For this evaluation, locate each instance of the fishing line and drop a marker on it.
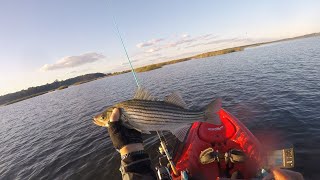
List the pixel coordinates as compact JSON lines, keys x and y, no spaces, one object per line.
{"x":122,"y":43}
{"x":124,"y":47}
{"x":163,"y":143}
{"x":125,"y":50}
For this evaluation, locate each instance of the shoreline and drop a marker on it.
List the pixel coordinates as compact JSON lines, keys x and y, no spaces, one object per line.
{"x":210,"y":54}
{"x":162,"y":64}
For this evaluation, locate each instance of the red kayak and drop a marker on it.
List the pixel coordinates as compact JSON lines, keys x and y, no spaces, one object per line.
{"x":219,"y":151}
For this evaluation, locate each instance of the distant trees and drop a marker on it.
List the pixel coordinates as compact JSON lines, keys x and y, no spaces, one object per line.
{"x":38,"y":90}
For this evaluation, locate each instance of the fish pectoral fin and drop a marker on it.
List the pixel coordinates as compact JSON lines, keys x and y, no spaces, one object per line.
{"x":143,"y":94}
{"x":181,"y":132}
{"x":176,"y":99}
{"x":211,"y":112}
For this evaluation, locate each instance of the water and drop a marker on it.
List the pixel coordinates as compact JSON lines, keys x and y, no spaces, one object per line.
{"x":274,"y":90}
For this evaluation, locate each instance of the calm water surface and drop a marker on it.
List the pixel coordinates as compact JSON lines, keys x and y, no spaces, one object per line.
{"x":274,"y":90}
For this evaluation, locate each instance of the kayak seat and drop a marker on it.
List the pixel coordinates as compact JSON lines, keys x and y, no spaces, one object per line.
{"x":231,"y":134}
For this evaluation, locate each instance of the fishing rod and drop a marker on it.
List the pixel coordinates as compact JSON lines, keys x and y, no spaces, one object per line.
{"x":162,"y":143}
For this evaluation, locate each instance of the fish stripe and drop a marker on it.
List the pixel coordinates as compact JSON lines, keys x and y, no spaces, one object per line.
{"x":166,"y":119}
{"x":167,"y":110}
{"x":160,"y":121}
{"x":157,"y":123}
{"x":173,"y":114}
{"x":157,"y":119}
{"x":147,"y":115}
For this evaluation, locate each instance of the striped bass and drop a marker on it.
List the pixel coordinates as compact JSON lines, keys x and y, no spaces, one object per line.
{"x":145,"y":113}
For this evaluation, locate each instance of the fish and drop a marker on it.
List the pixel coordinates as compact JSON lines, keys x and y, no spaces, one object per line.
{"x":146,"y":113}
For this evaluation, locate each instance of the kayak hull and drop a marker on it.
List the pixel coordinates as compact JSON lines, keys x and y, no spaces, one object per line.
{"x":231,"y":134}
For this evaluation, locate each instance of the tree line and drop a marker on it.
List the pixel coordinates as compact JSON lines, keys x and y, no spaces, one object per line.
{"x":38,"y":90}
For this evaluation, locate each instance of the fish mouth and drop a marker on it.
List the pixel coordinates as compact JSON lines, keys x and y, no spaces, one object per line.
{"x":97,"y":120}
{"x":97,"y":116}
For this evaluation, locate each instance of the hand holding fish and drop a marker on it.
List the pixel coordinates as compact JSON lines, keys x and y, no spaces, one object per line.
{"x":124,"y":139}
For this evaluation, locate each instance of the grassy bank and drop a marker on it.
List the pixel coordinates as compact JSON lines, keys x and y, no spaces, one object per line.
{"x":24,"y":98}
{"x":148,"y":68}
{"x":38,"y":90}
{"x":62,"y":87}
{"x":203,"y":55}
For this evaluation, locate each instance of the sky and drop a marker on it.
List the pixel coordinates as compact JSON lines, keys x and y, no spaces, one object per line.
{"x":45,"y":40}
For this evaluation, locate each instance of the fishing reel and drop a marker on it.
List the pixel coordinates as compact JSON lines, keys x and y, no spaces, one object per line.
{"x":163,"y":173}
{"x":165,"y":163}
{"x":162,"y":170}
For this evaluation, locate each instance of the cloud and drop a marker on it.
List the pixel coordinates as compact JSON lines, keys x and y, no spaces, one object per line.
{"x":132,"y":61}
{"x":186,"y":39}
{"x":149,"y":43}
{"x":72,"y":72}
{"x":228,"y":40}
{"x":216,"y":42}
{"x":182,"y":44}
{"x":182,"y":41}
{"x":207,"y":36}
{"x":73,"y":61}
{"x":185,"y":35}
{"x":152,"y":50}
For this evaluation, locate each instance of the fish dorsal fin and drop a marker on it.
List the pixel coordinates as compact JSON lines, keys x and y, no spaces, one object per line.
{"x":176,"y":99}
{"x":143,"y":94}
{"x":181,"y":132}
{"x":211,"y":112}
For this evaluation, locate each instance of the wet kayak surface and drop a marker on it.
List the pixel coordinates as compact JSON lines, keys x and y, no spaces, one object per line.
{"x":274,"y":90}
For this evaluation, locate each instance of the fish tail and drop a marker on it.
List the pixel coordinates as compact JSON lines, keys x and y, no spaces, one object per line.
{"x":211,"y":112}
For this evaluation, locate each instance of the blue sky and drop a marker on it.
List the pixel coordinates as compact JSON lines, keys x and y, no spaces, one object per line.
{"x":42,"y":40}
